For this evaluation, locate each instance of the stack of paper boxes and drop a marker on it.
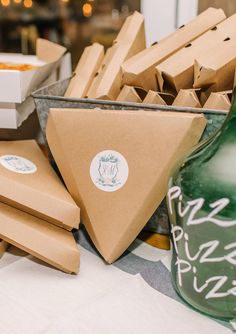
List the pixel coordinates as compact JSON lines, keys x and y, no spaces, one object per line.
{"x":16,"y":86}
{"x":37,"y":214}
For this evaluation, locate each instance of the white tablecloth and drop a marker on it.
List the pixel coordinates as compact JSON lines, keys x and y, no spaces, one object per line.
{"x":102,"y":299}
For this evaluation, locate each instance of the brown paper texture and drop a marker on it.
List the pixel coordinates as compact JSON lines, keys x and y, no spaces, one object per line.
{"x":234,"y":79}
{"x":203,"y":96}
{"x":129,"y":41}
{"x":43,"y":240}
{"x":48,"y":51}
{"x":187,"y":98}
{"x":131,"y":94}
{"x":3,"y":247}
{"x":140,"y":69}
{"x":216,"y":69}
{"x":153,"y":97}
{"x":85,"y":71}
{"x":219,"y":101}
{"x":177,"y":72}
{"x":33,"y":186}
{"x":119,"y":191}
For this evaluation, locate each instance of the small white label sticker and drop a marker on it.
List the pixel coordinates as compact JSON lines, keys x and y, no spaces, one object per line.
{"x":18,"y":164}
{"x":109,"y":170}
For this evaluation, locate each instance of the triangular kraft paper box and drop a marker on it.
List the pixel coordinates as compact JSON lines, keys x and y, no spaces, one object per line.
{"x":29,"y":183}
{"x":219,"y":101}
{"x":139,"y":70}
{"x":187,"y":98}
{"x":131,"y":94}
{"x":153,"y":97}
{"x":215,"y":69}
{"x":85,"y":71}
{"x":116,"y":166}
{"x":39,"y":238}
{"x":130,"y":41}
{"x":177,"y":71}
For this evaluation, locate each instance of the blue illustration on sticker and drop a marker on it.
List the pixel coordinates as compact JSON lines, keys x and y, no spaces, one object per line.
{"x":18,"y":164}
{"x":109,"y":170}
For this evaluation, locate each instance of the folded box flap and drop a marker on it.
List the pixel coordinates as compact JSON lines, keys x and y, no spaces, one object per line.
{"x":159,"y":98}
{"x":48,"y":51}
{"x":203,"y":75}
{"x":129,"y":94}
{"x":187,"y":98}
{"x":218,"y":101}
{"x":153,"y":97}
{"x":166,"y":82}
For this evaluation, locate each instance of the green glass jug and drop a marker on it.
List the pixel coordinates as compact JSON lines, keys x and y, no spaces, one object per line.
{"x":202,"y":208}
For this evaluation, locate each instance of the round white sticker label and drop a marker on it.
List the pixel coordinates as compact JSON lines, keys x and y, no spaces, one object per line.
{"x":109,"y":170}
{"x":18,"y":164}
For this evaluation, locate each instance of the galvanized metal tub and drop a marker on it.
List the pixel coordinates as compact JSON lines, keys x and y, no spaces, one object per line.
{"x":52,"y":96}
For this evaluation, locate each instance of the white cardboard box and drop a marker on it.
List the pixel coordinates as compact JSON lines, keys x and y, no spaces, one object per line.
{"x":13,"y":114}
{"x":15,"y":85}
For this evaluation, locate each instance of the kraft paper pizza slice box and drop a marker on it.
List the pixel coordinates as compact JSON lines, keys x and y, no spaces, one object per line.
{"x":187,"y":98}
{"x":131,"y":94}
{"x":17,"y":85}
{"x":177,"y":71}
{"x":130,"y":40}
{"x":39,"y":238}
{"x":139,"y":70}
{"x":216,"y":69}
{"x":29,"y":183}
{"x":153,"y":97}
{"x":116,"y":166}
{"x":219,"y":101}
{"x":85,"y":71}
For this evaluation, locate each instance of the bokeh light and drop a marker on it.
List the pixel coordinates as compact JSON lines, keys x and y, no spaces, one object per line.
{"x":87,"y":9}
{"x":5,"y":3}
{"x":28,"y":3}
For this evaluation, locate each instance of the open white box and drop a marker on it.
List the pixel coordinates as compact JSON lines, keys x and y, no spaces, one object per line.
{"x":15,"y":85}
{"x":12,"y":115}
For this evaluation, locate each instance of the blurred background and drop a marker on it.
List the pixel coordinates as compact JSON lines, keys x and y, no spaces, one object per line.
{"x":78,"y":23}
